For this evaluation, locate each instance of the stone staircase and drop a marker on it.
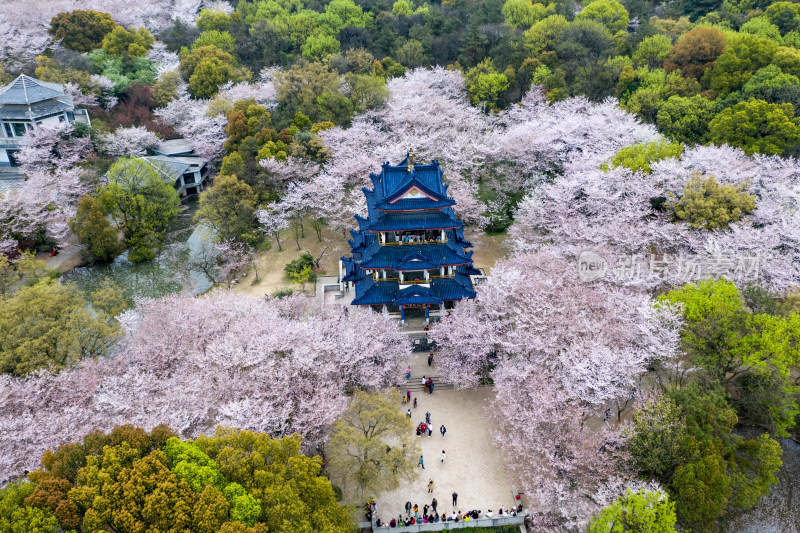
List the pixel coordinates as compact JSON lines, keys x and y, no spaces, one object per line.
{"x":415,"y":385}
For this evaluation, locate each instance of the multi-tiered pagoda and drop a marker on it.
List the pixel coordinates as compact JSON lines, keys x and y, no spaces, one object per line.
{"x":410,"y":253}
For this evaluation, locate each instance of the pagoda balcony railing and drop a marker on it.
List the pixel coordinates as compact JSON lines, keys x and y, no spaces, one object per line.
{"x":439,"y":241}
{"x":377,"y":277}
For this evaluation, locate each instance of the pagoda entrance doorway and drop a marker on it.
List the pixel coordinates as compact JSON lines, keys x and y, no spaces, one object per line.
{"x":414,"y":315}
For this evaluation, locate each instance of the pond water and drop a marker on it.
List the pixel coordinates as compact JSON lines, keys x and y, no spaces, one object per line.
{"x":166,"y":274}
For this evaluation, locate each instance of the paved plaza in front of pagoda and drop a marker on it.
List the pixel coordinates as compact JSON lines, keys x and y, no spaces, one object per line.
{"x":474,"y":467}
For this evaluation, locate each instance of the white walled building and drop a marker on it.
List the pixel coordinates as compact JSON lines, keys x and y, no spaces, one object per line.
{"x":26,"y":103}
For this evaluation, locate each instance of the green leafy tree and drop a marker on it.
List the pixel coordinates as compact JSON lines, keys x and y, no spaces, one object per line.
{"x":769,"y":84}
{"x":637,"y":158}
{"x":744,"y":54}
{"x":685,"y":118}
{"x":484,"y":84}
{"x":94,"y":230}
{"x":110,"y":298}
{"x":751,"y":354}
{"x":636,"y":512}
{"x":652,"y":51}
{"x":221,"y":39}
{"x":166,"y":88}
{"x":143,"y":204}
{"x":214,"y":19}
{"x":228,"y":207}
{"x":412,"y":54}
{"x":788,"y":60}
{"x":16,"y":517}
{"x":701,"y":489}
{"x":784,"y":15}
{"x":320,"y":46}
{"x":48,"y":324}
{"x":300,"y":87}
{"x":756,"y":126}
{"x":371,"y":445}
{"x":545,"y":34}
{"x":523,"y":13}
{"x":706,"y":204}
{"x":609,"y":13}
{"x":130,"y":42}
{"x":208,"y":67}
{"x":81,"y":31}
{"x":657,"y":438}
{"x":292,"y":494}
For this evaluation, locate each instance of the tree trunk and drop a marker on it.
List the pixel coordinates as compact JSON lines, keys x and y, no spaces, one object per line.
{"x":297,"y":235}
{"x":278,"y":238}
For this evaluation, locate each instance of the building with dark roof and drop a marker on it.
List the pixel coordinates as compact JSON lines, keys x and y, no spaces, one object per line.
{"x":26,"y":103}
{"x":409,"y":255}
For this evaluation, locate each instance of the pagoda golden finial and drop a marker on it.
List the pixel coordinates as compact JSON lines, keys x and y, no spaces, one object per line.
{"x":410,"y":159}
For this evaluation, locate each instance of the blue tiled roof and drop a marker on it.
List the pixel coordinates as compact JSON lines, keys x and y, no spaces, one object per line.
{"x":350,"y":271}
{"x":416,"y":294}
{"x":414,"y":221}
{"x":370,"y":292}
{"x":377,"y":256}
{"x":407,"y":204}
{"x":394,"y":176}
{"x":454,"y":288}
{"x":415,"y":261}
{"x":468,"y":270}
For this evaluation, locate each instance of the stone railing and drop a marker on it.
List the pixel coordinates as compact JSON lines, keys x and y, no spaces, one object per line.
{"x":495,"y":521}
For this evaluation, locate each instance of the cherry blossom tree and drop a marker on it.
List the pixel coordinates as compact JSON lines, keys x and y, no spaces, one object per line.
{"x":78,"y":98}
{"x":273,"y":219}
{"x":621,"y":217}
{"x":559,"y":351}
{"x":50,"y":146}
{"x":133,"y":141}
{"x":278,"y":366}
{"x":192,"y":120}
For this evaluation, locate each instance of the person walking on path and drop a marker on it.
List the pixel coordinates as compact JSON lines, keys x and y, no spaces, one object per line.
{"x":430,"y":359}
{"x":430,"y":389}
{"x":415,"y":402}
{"x":430,"y":486}
{"x":442,"y":430}
{"x":430,"y":431}
{"x":408,"y":373}
{"x":427,"y":417}
{"x":442,"y":455}
{"x":408,"y":413}
{"x":408,"y":395}
{"x":425,"y":510}
{"x":416,"y":511}
{"x":455,"y":498}
{"x":434,"y":503}
{"x":408,"y":508}
{"x":421,"y":462}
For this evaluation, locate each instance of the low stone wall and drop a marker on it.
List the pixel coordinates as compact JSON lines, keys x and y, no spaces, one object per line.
{"x":495,"y":521}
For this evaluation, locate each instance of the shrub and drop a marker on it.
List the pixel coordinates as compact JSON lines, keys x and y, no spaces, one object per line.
{"x":706,"y":204}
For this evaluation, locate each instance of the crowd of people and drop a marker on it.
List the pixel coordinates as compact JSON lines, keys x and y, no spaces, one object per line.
{"x":430,"y":515}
